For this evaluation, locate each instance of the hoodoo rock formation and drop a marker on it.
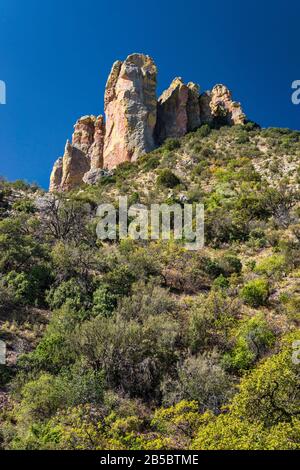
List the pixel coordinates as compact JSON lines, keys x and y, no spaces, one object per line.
{"x":130,"y":108}
{"x":136,"y":123}
{"x":84,"y":154}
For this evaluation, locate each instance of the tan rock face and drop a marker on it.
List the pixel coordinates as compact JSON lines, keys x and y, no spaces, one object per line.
{"x":217,"y":106}
{"x":130,"y":107}
{"x":56,"y":176}
{"x":83,"y":136}
{"x":89,"y":133}
{"x":85,"y":153}
{"x":96,"y":150}
{"x":75,"y":164}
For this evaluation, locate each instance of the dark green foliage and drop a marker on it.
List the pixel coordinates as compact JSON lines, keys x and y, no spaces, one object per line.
{"x":204,"y":131}
{"x":70,"y":292}
{"x":104,"y":301}
{"x":24,"y":205}
{"x":151,"y":163}
{"x":167,"y":179}
{"x":172,"y":144}
{"x":29,"y":288}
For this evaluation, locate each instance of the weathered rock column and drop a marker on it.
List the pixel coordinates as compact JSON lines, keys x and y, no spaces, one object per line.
{"x":131,"y":110}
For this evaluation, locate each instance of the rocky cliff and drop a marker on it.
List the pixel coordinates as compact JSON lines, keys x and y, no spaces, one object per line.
{"x":83,"y":155}
{"x":136,"y":122}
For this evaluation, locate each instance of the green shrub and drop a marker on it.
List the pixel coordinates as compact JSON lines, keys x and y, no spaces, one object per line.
{"x":230,"y":264}
{"x":201,"y":379}
{"x":204,"y":131}
{"x":242,"y":138}
{"x":70,"y":292}
{"x":167,"y":179}
{"x":41,"y":398}
{"x":271,"y":266}
{"x":221,"y":282}
{"x":151,"y":163}
{"x":29,"y":288}
{"x":24,"y":205}
{"x":255,"y":293}
{"x":252,"y":340}
{"x":172,"y":144}
{"x":104,"y":302}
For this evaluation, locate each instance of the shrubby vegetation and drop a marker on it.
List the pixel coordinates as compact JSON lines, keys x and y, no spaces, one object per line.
{"x":144,"y":345}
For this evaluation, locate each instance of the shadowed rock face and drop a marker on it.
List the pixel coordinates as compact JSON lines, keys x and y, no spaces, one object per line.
{"x":178,"y":111}
{"x":193,"y":107}
{"x":130,"y":108}
{"x":172,"y":120}
{"x":136,"y":122}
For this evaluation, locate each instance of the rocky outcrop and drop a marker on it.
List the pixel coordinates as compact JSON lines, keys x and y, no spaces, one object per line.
{"x":85,"y":153}
{"x":218,"y":107}
{"x":172,"y":120}
{"x":75,"y":165}
{"x":178,"y":110}
{"x":96,"y":175}
{"x":136,"y":122}
{"x":89,"y":133}
{"x":96,"y":150}
{"x":56,"y":176}
{"x":83,"y":135}
{"x":193,"y":107}
{"x":130,"y":108}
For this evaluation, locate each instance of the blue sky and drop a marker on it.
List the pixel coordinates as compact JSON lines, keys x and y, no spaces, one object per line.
{"x":56,"y":55}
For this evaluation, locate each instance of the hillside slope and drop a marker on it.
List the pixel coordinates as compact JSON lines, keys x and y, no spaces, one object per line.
{"x":144,"y":345}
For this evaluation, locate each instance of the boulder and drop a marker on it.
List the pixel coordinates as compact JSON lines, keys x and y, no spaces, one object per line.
{"x":94,"y":176}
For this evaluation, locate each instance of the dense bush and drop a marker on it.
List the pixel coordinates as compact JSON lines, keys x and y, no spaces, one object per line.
{"x":255,"y":293}
{"x":252,"y":340}
{"x":168,"y":179}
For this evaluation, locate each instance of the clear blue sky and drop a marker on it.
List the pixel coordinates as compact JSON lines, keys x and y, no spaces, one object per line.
{"x":56,"y":55}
